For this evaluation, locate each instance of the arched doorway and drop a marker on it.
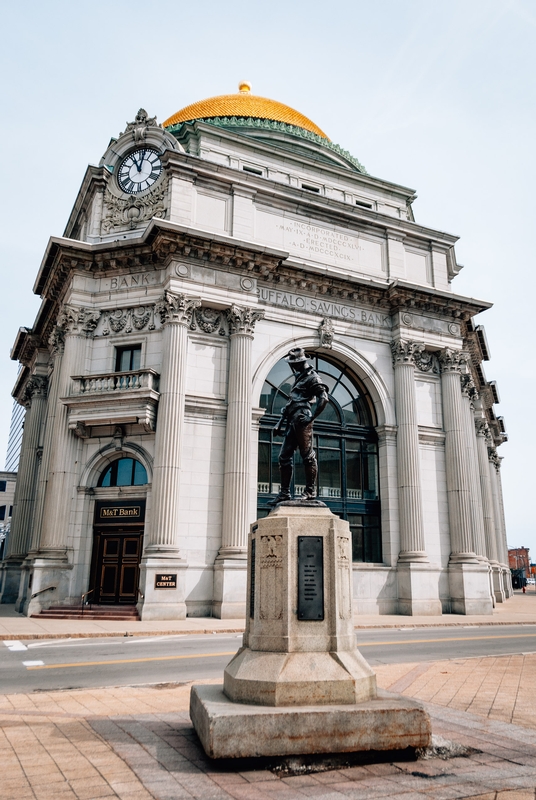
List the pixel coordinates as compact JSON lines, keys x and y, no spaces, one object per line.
{"x":118,"y":534}
{"x":346,"y":445}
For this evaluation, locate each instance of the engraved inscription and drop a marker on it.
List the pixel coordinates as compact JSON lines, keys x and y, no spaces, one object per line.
{"x":271,"y":577}
{"x":325,"y":308}
{"x":310,"y":578}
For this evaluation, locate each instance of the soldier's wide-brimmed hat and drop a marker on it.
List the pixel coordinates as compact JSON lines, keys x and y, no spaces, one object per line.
{"x":296,"y":355}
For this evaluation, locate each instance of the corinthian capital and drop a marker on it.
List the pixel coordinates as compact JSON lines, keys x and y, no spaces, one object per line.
{"x":482,"y":428}
{"x":468,"y":388}
{"x":36,"y":387}
{"x":242,"y":320}
{"x":56,"y":341}
{"x":452,"y":360}
{"x":73,"y":319}
{"x":176,"y":308}
{"x":405,"y":352}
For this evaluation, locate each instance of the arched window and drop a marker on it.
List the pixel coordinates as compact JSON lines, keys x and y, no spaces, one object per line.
{"x":123,"y":472}
{"x":346,"y":445}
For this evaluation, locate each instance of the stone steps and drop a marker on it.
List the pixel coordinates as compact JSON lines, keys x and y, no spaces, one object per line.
{"x":113,"y":613}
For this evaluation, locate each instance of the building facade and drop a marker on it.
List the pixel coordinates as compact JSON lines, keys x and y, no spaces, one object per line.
{"x":196,"y":255}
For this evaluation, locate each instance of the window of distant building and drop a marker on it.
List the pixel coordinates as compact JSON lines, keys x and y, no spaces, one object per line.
{"x":124,"y":472}
{"x":128,"y":359}
{"x":2,"y":513}
{"x":3,"y":485}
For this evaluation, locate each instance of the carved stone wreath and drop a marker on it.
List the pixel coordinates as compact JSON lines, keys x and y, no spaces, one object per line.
{"x":209,"y":320}
{"x":128,"y":319}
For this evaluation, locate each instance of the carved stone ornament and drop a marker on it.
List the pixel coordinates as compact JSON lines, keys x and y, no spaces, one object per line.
{"x":208,"y":320}
{"x":494,"y":458}
{"x":326,"y":333}
{"x":426,"y":361}
{"x":482,"y":429}
{"x":36,"y":387}
{"x":405,"y":352}
{"x":140,"y":126}
{"x":131,"y":211}
{"x":73,"y":319}
{"x":242,"y":320}
{"x":126,"y":320}
{"x":468,"y":387}
{"x":81,"y":430}
{"x":56,"y":342}
{"x":176,"y":308}
{"x":452,"y":360}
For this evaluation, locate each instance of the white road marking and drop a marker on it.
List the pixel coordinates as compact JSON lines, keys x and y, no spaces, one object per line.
{"x":12,"y":645}
{"x":33,"y":663}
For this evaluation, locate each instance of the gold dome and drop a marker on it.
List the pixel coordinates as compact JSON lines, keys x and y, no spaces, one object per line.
{"x":244,"y":104}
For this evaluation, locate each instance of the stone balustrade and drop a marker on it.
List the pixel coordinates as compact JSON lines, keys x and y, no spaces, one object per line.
{"x":115,"y":382}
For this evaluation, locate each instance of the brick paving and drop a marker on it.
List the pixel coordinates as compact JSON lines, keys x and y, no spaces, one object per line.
{"x":138,"y":743}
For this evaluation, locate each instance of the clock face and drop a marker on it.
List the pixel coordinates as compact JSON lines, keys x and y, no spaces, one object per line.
{"x":139,"y":170}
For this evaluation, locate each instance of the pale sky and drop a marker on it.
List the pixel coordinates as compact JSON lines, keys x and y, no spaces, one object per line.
{"x":436,"y":95}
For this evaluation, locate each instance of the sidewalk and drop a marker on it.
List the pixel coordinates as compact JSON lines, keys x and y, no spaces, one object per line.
{"x":518,"y":610}
{"x":137,"y":743}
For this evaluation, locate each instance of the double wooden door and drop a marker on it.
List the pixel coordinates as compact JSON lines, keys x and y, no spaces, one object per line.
{"x":116,"y":565}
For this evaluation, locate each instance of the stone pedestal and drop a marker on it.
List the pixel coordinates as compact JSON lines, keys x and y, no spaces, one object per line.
{"x":469,"y":586}
{"x":299,"y":684}
{"x":417,"y":589}
{"x":236,"y":730}
{"x":230,"y":579}
{"x":162,"y":585}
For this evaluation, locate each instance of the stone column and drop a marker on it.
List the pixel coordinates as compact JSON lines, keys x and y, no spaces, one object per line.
{"x":23,"y":505}
{"x":501,"y":527}
{"x":468,"y":578}
{"x":162,"y":550}
{"x":470,"y":395}
{"x":482,"y":434}
{"x":418,"y":590}
{"x":230,"y":566}
{"x":60,"y":464}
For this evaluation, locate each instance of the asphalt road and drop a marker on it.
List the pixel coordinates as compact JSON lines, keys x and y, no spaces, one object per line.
{"x":42,"y":665}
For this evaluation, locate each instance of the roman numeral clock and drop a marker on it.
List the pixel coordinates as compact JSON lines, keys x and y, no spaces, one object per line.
{"x":139,"y":170}
{"x":136,"y":188}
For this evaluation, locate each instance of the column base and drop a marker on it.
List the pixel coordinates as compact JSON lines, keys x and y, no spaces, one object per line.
{"x":162,"y":601}
{"x":230,"y":581}
{"x":50,"y":574}
{"x":10,"y":570}
{"x":497,"y":578}
{"x":418,"y":589}
{"x":507,"y":580}
{"x":469,"y":586}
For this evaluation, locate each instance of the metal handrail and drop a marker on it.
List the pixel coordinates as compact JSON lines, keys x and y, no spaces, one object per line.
{"x":86,"y":594}
{"x":48,"y":589}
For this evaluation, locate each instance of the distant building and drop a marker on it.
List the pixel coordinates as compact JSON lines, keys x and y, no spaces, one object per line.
{"x":14,"y":442}
{"x":519,"y":560}
{"x":7,"y":494}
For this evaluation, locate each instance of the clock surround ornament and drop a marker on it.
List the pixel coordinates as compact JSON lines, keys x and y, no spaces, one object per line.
{"x":139,"y":170}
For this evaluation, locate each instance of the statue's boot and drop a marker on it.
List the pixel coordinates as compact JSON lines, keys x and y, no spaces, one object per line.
{"x":311,"y":471}
{"x":284,"y":491}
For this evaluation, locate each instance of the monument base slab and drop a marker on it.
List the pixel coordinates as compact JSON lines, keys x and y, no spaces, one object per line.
{"x":238,"y":730}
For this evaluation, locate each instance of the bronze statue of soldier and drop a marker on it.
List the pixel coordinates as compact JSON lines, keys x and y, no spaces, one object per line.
{"x":296,"y":425}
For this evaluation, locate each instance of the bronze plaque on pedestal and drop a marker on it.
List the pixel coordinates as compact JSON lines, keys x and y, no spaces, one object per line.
{"x":310,"y":578}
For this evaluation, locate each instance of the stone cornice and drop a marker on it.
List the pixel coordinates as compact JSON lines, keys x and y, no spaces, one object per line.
{"x":163,"y":242}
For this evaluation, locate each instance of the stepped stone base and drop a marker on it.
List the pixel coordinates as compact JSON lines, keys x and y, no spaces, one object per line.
{"x":237,"y":730}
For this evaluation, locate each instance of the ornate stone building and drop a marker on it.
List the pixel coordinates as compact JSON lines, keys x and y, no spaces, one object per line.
{"x":196,"y":255}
